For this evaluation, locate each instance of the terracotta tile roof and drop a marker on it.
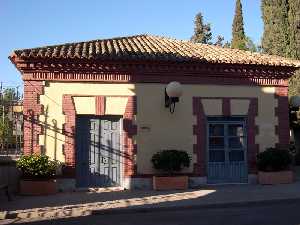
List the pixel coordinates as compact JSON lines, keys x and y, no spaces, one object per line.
{"x":149,"y":47}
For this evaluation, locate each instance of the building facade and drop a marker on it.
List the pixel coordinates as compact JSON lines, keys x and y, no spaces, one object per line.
{"x":99,"y":107}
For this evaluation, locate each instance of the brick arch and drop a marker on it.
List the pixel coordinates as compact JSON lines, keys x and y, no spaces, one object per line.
{"x":129,"y":130}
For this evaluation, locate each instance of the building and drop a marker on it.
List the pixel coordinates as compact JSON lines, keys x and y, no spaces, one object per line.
{"x":99,"y":106}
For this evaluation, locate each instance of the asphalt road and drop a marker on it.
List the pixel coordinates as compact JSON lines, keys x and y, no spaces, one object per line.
{"x":273,"y":214}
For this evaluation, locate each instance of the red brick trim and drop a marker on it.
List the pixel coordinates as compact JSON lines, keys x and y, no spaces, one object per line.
{"x":282,"y":113}
{"x":226,"y":107}
{"x":157,"y":77}
{"x":200,"y":131}
{"x":31,"y":111}
{"x":68,"y":108}
{"x":129,"y":130}
{"x":90,"y":67}
{"x":100,"y":105}
{"x":252,"y":130}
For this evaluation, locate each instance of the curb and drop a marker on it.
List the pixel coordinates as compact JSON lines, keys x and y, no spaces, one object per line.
{"x":191,"y":207}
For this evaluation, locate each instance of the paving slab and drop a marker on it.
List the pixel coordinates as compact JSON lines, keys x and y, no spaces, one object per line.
{"x":97,"y":201}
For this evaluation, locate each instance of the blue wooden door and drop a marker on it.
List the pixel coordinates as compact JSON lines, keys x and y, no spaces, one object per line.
{"x":227,"y":151}
{"x":98,"y":151}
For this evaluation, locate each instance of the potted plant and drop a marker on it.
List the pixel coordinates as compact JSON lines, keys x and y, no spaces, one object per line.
{"x":274,"y":166}
{"x":170,"y":162}
{"x":38,"y":175}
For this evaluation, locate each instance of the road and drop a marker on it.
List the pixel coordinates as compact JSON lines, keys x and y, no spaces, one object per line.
{"x":273,"y":214}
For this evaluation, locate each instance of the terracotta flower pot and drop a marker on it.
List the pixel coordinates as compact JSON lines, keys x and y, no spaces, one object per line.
{"x":280,"y":177}
{"x":170,"y":183}
{"x":38,"y":187}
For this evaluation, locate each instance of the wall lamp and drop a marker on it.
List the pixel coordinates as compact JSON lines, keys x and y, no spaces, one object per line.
{"x":172,"y":93}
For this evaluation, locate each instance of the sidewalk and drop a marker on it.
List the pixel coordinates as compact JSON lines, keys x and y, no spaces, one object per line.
{"x":63,"y":205}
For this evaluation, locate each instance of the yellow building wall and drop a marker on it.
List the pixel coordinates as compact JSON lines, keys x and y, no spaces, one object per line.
{"x":115,"y":105}
{"x":157,"y":128}
{"x":53,"y":139}
{"x":212,"y":107}
{"x":169,"y":131}
{"x":85,"y":105}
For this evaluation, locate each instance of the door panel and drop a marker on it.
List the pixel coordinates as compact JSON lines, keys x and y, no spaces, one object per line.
{"x":227,"y":150}
{"x":98,"y":151}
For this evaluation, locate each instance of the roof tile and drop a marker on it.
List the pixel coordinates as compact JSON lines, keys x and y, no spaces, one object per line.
{"x":150,"y":47}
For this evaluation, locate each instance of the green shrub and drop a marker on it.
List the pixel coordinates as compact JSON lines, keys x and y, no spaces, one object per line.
{"x":273,"y":160}
{"x":170,"y":161}
{"x":37,"y":166}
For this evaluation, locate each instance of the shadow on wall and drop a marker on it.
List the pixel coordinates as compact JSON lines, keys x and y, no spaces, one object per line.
{"x":152,"y":101}
{"x":37,"y":124}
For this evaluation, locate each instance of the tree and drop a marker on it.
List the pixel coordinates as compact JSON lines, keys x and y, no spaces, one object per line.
{"x":294,"y":28}
{"x":202,"y":31}
{"x":294,"y":84}
{"x":227,"y":45}
{"x":250,"y":45}
{"x":10,"y":95}
{"x":275,"y":39}
{"x":238,"y":34}
{"x":219,"y":41}
{"x":294,"y":43}
{"x":6,"y":131}
{"x":282,"y":33}
{"x":7,"y":100}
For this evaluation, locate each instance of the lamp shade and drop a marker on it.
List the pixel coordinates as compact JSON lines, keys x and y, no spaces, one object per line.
{"x":295,"y":101}
{"x":174,"y":89}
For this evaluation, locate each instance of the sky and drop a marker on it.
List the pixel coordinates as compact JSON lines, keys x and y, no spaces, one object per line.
{"x":35,"y":23}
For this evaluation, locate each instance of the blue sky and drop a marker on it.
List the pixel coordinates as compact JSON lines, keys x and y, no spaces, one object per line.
{"x":34,"y":23}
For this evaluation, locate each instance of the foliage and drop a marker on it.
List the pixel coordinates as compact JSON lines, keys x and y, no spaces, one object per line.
{"x":294,"y":28}
{"x":275,"y":39}
{"x":227,"y":45}
{"x":219,"y":41}
{"x":171,"y":161}
{"x":9,"y":95}
{"x":294,"y":84}
{"x":250,"y":45}
{"x":282,"y":33}
{"x":238,"y":34}
{"x":6,"y":126}
{"x":37,"y":166}
{"x":273,"y":160}
{"x":294,"y":48}
{"x":202,"y":31}
{"x":6,"y":132}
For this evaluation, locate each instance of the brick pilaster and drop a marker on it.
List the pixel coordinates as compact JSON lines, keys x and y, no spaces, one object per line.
{"x":252,"y":131}
{"x":31,"y":111}
{"x":199,"y":130}
{"x":100,"y":105}
{"x":130,"y":148}
{"x":282,"y":113}
{"x":68,"y":108}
